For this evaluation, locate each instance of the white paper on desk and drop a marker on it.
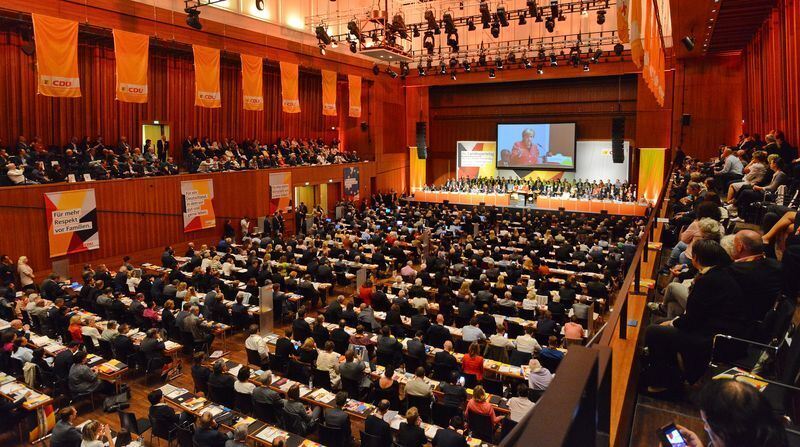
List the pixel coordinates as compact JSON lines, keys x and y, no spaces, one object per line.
{"x":169,"y":344}
{"x":215,"y":355}
{"x":176,"y":393}
{"x":235,"y":370}
{"x":430,"y":430}
{"x":167,"y":389}
{"x":270,"y":433}
{"x":395,"y":422}
{"x":213,"y":409}
{"x":390,"y":414}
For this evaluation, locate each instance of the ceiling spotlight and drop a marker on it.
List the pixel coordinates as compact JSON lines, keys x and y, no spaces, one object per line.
{"x":431,"y":19}
{"x":427,"y":42}
{"x":495,"y":29}
{"x":391,"y":73}
{"x":322,"y":34}
{"x":601,"y":16}
{"x":404,"y":69}
{"x":421,"y":70}
{"x":354,"y":30}
{"x":542,"y":54}
{"x":353,"y":46}
{"x":532,"y":7}
{"x":453,"y":62}
{"x":322,"y":49}
{"x":618,"y":49}
{"x":526,"y":62}
{"x":688,"y":42}
{"x":486,"y":16}
{"x":376,"y":70}
{"x":452,"y":41}
{"x":512,"y":58}
{"x":553,"y":60}
{"x":260,"y":5}
{"x":491,"y":73}
{"x":598,"y":53}
{"x":561,"y":16}
{"x":498,"y":62}
{"x":470,"y":24}
{"x":482,"y":59}
{"x":467,"y":66}
{"x":415,"y":31}
{"x":550,"y":24}
{"x":585,"y":66}
{"x":522,"y":20}
{"x":399,"y":25}
{"x":449,"y":25}
{"x":442,"y":68}
{"x":539,"y":14}
{"x":540,"y":69}
{"x":502,"y":16}
{"x":453,"y":75}
{"x":553,"y":8}
{"x":193,"y":18}
{"x":374,"y":37}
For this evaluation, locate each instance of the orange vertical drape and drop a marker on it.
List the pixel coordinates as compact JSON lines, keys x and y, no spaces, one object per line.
{"x":623,"y":8}
{"x":354,"y":83}
{"x":206,"y":77}
{"x":252,"y":82}
{"x":289,"y":92}
{"x":328,"y":93}
{"x":131,"y":53}
{"x":636,"y":36}
{"x":56,"y":56}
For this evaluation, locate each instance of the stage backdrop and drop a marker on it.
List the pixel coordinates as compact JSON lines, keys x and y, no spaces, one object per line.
{"x":71,"y":221}
{"x":593,"y":158}
{"x":198,"y":206}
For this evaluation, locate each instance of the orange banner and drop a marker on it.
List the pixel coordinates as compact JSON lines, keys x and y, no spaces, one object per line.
{"x":252,"y":82}
{"x":636,"y":23}
{"x":131,"y":52}
{"x":328,"y":93}
{"x":355,"y":95}
{"x":289,"y":93}
{"x":622,"y":20}
{"x":206,"y":77}
{"x":56,"y":56}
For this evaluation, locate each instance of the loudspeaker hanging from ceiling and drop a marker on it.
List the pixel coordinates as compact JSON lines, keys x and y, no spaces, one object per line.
{"x":422,"y":147}
{"x":618,"y":139}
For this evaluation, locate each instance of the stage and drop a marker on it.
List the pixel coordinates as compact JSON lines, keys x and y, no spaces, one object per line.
{"x":541,"y":203}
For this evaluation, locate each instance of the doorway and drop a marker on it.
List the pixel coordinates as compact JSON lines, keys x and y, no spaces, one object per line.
{"x":325,"y":195}
{"x":153,"y":131}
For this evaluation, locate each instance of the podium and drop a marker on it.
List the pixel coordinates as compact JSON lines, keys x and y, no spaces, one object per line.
{"x":266,"y":310}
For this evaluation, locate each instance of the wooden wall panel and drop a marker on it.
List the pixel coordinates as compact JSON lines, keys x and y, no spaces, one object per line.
{"x":471,"y":112}
{"x":772,"y":74}
{"x":138,"y":216}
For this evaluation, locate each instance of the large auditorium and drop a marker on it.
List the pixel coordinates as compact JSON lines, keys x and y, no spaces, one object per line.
{"x":399,"y":223}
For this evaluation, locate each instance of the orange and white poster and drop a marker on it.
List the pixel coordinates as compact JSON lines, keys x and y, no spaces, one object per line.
{"x":131,"y":52}
{"x":71,"y":221}
{"x":197,"y":202}
{"x":56,"y":57}
{"x":280,"y":190}
{"x":252,"y":82}
{"x":328,"y":93}
{"x":206,"y":77}
{"x":289,"y":88}
{"x":354,"y":84}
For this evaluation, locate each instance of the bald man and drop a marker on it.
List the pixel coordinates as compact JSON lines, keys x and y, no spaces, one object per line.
{"x":437,"y":334}
{"x":758,"y":276}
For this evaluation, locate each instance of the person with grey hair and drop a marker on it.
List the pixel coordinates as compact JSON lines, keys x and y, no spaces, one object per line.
{"x":758,"y":276}
{"x":238,"y":436}
{"x":264,"y":395}
{"x":727,"y":244}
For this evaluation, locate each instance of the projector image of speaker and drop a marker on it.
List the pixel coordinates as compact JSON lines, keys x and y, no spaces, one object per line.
{"x":618,"y":139}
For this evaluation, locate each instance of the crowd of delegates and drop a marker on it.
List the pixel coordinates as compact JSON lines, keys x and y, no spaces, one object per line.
{"x":411,"y":245}
{"x":34,"y":163}
{"x":578,"y":189}
{"x":719,"y":283}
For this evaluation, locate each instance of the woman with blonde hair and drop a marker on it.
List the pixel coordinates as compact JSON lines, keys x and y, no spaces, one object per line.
{"x":25,"y":271}
{"x":479,"y":404}
{"x":410,"y":434}
{"x":308,"y":352}
{"x":181,"y":291}
{"x":93,"y":433}
{"x":76,"y":328}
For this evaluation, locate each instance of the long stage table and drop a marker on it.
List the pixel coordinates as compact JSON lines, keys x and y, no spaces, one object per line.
{"x":544,"y":203}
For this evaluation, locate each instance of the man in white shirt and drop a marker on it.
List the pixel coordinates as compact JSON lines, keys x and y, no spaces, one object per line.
{"x":17,"y":176}
{"x":110,"y":332}
{"x":526,"y":342}
{"x":499,"y":339}
{"x":245,"y":226}
{"x":520,"y":405}
{"x":256,"y":342}
{"x":472,"y":332}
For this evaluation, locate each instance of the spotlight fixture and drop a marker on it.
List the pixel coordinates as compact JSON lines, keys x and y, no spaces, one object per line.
{"x":322,"y":49}
{"x":601,"y":16}
{"x":429,"y":63}
{"x":482,"y":59}
{"x":415,"y":31}
{"x":618,"y":49}
{"x":522,"y":20}
{"x":561,"y":16}
{"x":421,"y":70}
{"x":449,"y":24}
{"x":532,"y":7}
{"x":322,"y":35}
{"x":399,"y":25}
{"x":550,"y":24}
{"x":688,"y":42}
{"x":404,"y":69}
{"x":442,"y":68}
{"x":193,"y":18}
{"x":542,"y":54}
{"x":502,"y":16}
{"x":539,"y":14}
{"x":467,"y":65}
{"x":512,"y":58}
{"x":353,"y":30}
{"x":260,"y":5}
{"x":491,"y":73}
{"x":427,"y":42}
{"x":431,"y":19}
{"x":498,"y":62}
{"x":470,"y":24}
{"x":526,"y":62}
{"x":553,"y":60}
{"x":374,"y":37}
{"x":453,"y":75}
{"x":486,"y":16}
{"x":376,"y":70}
{"x":453,"y":62}
{"x":392,"y":74}
{"x":553,"y":8}
{"x":353,"y":46}
{"x":585,"y":66}
{"x":495,"y":29}
{"x":540,"y":69}
{"x":452,"y":41}
{"x":598,"y":53}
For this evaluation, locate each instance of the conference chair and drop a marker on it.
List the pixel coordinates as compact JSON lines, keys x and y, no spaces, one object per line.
{"x":506,"y":426}
{"x":497,"y":353}
{"x":221,"y":395}
{"x":442,"y":413}
{"x":106,"y":351}
{"x":159,"y":431}
{"x":423,"y":405}
{"x":321,"y":379}
{"x":129,"y":422}
{"x":332,"y":436}
{"x":519,"y":358}
{"x":470,"y":380}
{"x":265,"y":412}
{"x":88,"y":345}
{"x":368,"y":440}
{"x":441,"y":372}
{"x":481,"y":426}
{"x":461,"y":346}
{"x":254,"y":358}
{"x":299,"y":371}
{"x":243,"y":402}
{"x":493,"y":386}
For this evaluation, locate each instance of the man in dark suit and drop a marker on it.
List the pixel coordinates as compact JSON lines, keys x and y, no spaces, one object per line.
{"x":388,"y":348}
{"x":168,"y":258}
{"x":758,"y":276}
{"x":377,"y":427}
{"x":334,"y":310}
{"x":340,"y":337}
{"x":63,"y":360}
{"x":162,"y":147}
{"x":162,"y":415}
{"x":122,"y":344}
{"x":206,"y":434}
{"x":300,"y":327}
{"x":337,"y":418}
{"x":284,"y":347}
{"x":416,"y":347}
{"x":452,"y":436}
{"x":220,"y":378}
{"x":445,"y":360}
{"x":420,"y":321}
{"x":64,"y":433}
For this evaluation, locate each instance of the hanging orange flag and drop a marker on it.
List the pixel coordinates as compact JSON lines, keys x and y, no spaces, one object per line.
{"x":636,"y":23}
{"x":622,"y":20}
{"x":289,"y":93}
{"x":252,"y":82}
{"x":328,"y":93}
{"x":56,"y":56}
{"x":355,"y":95}
{"x":131,"y":52}
{"x":206,"y":77}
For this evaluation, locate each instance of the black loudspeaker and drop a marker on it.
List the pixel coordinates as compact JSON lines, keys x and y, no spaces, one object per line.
{"x":422,"y":147}
{"x":686,"y":119}
{"x":617,"y":139}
